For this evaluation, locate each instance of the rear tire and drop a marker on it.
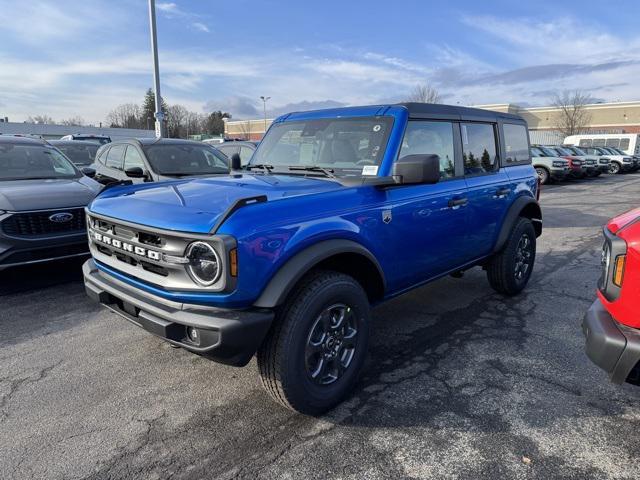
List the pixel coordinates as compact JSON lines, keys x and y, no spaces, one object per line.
{"x":317,"y":345}
{"x":509,"y":270}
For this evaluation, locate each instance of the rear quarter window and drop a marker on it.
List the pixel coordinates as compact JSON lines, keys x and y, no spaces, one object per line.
{"x":516,"y":144}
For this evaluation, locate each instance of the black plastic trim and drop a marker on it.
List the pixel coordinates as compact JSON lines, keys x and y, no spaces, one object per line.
{"x":237,"y":205}
{"x":512,"y":216}
{"x":291,"y":272}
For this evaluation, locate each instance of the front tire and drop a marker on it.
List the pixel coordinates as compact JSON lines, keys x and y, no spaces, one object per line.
{"x":509,"y":270}
{"x":615,"y":168}
{"x":315,"y":350}
{"x":543,"y":175}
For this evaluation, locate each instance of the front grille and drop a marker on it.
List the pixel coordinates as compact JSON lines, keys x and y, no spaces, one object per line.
{"x":34,"y":224}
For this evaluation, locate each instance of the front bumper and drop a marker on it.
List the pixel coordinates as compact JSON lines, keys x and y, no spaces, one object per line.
{"x":15,"y":251}
{"x":613,"y":347}
{"x":227,"y":336}
{"x":559,"y":173}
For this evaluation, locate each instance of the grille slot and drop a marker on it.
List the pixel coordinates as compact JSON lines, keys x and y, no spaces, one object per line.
{"x":33,"y":224}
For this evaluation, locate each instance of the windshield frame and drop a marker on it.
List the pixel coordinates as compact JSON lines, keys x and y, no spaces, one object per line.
{"x":175,"y":172}
{"x":315,"y":169}
{"x":77,"y":173}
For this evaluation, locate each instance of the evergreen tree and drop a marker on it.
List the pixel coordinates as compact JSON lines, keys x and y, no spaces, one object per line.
{"x":149,"y":108}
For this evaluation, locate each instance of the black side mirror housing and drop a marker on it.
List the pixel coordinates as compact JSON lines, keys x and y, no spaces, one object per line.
{"x":416,"y":169}
{"x":89,"y":171}
{"x":236,"y":163}
{"x":135,"y":172}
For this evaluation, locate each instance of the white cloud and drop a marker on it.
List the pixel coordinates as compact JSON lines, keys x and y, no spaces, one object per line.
{"x":167,"y":7}
{"x":200,"y":27}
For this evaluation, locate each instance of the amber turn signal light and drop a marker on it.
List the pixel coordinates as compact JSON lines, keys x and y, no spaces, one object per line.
{"x":233,"y":262}
{"x":618,"y":272}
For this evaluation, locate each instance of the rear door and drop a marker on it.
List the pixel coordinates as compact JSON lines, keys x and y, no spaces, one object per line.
{"x":489,"y":188}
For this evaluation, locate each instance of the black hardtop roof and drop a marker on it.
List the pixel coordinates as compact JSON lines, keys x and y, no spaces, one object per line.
{"x":20,"y":140}
{"x":157,"y":141}
{"x":437,"y":110}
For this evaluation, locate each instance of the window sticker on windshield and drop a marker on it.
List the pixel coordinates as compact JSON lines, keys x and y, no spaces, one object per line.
{"x":370,"y":170}
{"x":376,"y":128}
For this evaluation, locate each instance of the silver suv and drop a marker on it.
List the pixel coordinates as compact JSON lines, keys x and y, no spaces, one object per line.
{"x":42,"y":200}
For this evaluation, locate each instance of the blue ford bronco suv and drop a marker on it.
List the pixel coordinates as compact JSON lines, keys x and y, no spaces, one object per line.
{"x":337,"y":211}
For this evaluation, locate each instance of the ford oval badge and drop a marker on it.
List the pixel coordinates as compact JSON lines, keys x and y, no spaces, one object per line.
{"x":62,"y":217}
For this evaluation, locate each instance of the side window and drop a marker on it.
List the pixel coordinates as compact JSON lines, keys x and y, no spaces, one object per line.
{"x":431,"y":138}
{"x":133,"y":158}
{"x":585,"y":142}
{"x":228,"y":150}
{"x":114,"y":157}
{"x":624,"y":144}
{"x":245,"y":155}
{"x":102,"y":158}
{"x":478,"y":148}
{"x":598,"y":142}
{"x":613,"y":142}
{"x":516,"y":143}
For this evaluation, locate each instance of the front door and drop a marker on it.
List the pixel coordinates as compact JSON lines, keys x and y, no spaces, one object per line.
{"x":429,"y":222}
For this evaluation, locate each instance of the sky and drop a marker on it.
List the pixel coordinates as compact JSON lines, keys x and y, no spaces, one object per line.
{"x":68,"y":58}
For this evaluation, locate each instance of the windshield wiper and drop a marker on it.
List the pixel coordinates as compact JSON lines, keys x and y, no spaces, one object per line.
{"x":314,"y":168}
{"x":264,"y":166}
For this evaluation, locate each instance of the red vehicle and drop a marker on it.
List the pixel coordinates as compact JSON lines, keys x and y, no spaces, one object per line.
{"x":612,"y":324}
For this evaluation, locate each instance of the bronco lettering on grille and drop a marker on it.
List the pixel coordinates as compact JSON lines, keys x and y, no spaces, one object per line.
{"x":127,"y":247}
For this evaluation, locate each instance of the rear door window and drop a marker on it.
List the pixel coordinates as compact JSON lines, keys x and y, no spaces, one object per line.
{"x":479,"y":148}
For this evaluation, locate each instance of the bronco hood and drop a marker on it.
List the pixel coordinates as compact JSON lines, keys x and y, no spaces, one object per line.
{"x":21,"y":195}
{"x":195,"y":205}
{"x":618,"y":223}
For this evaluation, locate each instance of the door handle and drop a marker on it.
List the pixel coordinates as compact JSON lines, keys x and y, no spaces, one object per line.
{"x":502,"y":192}
{"x":458,"y":202}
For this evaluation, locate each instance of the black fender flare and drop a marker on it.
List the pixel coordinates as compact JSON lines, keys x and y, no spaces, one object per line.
{"x":302,"y":262}
{"x":522,"y":204}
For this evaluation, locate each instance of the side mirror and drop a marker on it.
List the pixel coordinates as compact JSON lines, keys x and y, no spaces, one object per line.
{"x":414,"y":169}
{"x":89,"y":172}
{"x":236,"y":163}
{"x":135,"y":172}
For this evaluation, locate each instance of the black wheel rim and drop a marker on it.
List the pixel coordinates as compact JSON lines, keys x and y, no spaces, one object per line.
{"x":614,"y":168}
{"x":331,"y":344}
{"x":524,"y":256}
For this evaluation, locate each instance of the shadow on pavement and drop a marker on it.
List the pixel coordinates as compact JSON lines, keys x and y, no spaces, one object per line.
{"x":33,"y":277}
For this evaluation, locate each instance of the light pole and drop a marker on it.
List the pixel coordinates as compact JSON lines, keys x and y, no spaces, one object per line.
{"x":264,"y":104}
{"x":159,"y":115}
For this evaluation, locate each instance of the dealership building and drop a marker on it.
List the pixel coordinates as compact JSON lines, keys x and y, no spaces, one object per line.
{"x":53,"y":132}
{"x":615,"y":117}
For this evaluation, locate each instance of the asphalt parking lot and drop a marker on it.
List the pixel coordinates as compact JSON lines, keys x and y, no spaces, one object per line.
{"x":460,"y":382}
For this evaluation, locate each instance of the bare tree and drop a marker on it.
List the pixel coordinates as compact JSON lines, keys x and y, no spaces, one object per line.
{"x":126,"y":115}
{"x":176,"y":120}
{"x":46,"y":119}
{"x":572,"y":117}
{"x":424,"y":93}
{"x":73,"y":122}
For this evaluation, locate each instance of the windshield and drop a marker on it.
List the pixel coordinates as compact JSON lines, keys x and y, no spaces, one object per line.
{"x":577,"y":151}
{"x":548,"y":152}
{"x":24,"y":162}
{"x":563,"y":151}
{"x":344,"y":146}
{"x":80,"y":154}
{"x":186,"y":159}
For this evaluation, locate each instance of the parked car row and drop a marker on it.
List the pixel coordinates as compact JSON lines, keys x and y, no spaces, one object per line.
{"x":555,"y":163}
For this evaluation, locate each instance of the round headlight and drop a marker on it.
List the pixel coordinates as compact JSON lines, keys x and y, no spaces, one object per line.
{"x":204,"y":263}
